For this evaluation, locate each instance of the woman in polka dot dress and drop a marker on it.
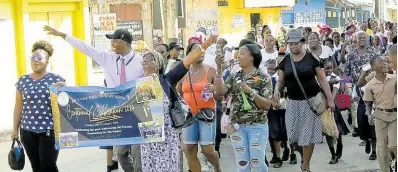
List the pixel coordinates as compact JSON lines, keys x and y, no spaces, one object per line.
{"x":32,"y":114}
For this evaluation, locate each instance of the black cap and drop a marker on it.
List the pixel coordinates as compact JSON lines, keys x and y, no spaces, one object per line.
{"x":175,"y":45}
{"x":122,"y":34}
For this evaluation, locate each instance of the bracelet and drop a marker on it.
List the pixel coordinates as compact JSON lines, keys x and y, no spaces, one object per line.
{"x":202,"y":49}
{"x":253,"y":95}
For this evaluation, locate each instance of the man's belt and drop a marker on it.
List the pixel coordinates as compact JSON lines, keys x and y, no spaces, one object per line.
{"x":387,"y":110}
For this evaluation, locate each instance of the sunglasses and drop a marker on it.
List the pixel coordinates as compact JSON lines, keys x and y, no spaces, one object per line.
{"x":37,"y":58}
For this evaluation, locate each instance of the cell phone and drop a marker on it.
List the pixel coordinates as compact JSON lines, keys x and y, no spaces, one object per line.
{"x":366,"y":67}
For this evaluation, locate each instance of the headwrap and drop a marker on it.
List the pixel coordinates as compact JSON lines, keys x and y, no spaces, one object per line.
{"x":158,"y":58}
{"x":195,"y":39}
{"x":325,"y":28}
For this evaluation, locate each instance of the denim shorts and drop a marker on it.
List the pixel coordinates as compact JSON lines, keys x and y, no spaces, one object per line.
{"x":200,"y":131}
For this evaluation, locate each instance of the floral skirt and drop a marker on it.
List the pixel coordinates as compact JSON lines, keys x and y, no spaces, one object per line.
{"x":162,"y":156}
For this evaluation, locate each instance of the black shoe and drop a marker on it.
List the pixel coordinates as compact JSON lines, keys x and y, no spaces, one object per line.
{"x":293,"y":159}
{"x":367,"y":146}
{"x":334,"y":160}
{"x":339,"y":150}
{"x":286,"y":153}
{"x":273,"y":160}
{"x":349,"y":119}
{"x":278,"y":163}
{"x":114,"y":166}
{"x":373,"y":156}
{"x":355,"y":133}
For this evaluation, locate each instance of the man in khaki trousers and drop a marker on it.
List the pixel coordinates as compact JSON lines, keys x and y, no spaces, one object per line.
{"x":382,"y":91}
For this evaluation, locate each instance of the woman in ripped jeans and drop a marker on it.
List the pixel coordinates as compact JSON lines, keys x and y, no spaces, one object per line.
{"x":248,"y":127}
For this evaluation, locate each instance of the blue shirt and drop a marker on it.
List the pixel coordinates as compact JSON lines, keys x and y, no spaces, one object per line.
{"x":36,"y":105}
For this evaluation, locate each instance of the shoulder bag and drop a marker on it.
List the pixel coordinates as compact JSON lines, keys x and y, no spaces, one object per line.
{"x":205,"y":114}
{"x":180,"y":114}
{"x":319,"y":105}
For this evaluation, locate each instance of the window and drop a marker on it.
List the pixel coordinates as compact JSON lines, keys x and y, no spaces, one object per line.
{"x":353,"y":13}
{"x":343,"y":14}
{"x":329,"y":14}
{"x":348,"y":13}
{"x":334,"y":13}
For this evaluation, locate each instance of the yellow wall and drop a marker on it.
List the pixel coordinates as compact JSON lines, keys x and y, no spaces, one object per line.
{"x":269,"y":16}
{"x":21,"y":23}
{"x":30,"y":15}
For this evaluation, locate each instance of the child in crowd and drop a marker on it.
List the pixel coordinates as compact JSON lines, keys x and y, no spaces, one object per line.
{"x":381,"y":91}
{"x":334,"y":82}
{"x":276,"y":123}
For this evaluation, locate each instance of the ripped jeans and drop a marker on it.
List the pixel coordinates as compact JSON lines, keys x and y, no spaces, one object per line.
{"x":249,"y":144}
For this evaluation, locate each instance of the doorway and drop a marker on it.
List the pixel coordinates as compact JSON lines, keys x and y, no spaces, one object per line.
{"x":254,"y":20}
{"x":62,"y":61}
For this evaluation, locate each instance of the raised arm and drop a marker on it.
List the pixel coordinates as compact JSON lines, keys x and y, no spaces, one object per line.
{"x":220,"y":88}
{"x":98,"y":56}
{"x":194,"y":55}
{"x":177,"y":73}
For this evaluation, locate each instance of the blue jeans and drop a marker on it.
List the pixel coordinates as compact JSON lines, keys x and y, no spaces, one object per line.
{"x":249,"y":144}
{"x":200,"y":131}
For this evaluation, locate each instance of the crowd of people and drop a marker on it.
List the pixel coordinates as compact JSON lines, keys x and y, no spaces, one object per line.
{"x":265,"y":91}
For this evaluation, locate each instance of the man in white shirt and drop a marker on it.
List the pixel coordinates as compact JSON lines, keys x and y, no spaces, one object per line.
{"x":120,"y":66}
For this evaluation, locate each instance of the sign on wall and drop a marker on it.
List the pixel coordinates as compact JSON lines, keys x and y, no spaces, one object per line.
{"x":238,"y":20}
{"x":309,"y":13}
{"x":207,"y":19}
{"x":134,"y":27}
{"x":104,"y":23}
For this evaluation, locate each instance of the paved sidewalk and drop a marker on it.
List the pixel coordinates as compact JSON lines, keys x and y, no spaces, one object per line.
{"x":93,"y":159}
{"x":354,"y":159}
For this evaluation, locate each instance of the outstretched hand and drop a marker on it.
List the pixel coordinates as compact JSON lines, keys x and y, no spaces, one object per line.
{"x":52,"y":31}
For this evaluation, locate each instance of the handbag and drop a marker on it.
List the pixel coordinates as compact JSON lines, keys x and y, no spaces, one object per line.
{"x":180,"y":113}
{"x":319,"y":105}
{"x":16,"y":156}
{"x":329,"y":126}
{"x":204,"y":114}
{"x":343,"y":101}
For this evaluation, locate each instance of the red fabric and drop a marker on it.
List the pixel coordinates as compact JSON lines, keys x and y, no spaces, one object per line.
{"x":343,"y":101}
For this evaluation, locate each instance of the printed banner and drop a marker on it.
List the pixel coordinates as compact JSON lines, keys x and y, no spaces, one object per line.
{"x":95,"y":116}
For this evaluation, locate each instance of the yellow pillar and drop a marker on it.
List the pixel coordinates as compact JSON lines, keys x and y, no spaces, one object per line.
{"x":79,"y":32}
{"x":18,"y":8}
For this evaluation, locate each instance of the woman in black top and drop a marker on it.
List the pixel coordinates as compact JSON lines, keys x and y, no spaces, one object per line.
{"x":303,"y":126}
